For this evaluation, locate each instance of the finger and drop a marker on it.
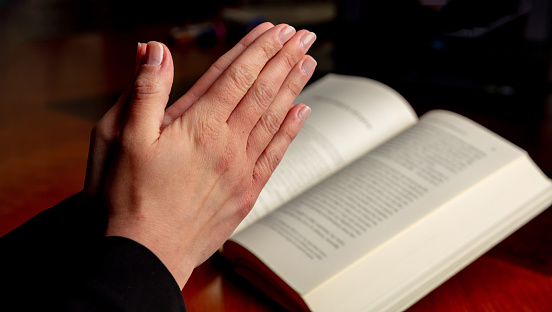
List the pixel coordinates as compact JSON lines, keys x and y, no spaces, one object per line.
{"x":150,"y":93}
{"x":110,"y":123}
{"x":202,"y":85}
{"x":230,"y":87}
{"x":140,"y":56}
{"x":271,"y":120}
{"x":274,"y":152}
{"x":105,"y":133}
{"x":266,"y":87}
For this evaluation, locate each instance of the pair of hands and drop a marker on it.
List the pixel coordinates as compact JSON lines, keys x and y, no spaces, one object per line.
{"x":180,"y":180}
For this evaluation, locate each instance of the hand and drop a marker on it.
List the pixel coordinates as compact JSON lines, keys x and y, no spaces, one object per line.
{"x":107,"y":130}
{"x":180,"y":180}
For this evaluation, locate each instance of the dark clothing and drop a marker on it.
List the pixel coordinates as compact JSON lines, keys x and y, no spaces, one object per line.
{"x":60,"y":261}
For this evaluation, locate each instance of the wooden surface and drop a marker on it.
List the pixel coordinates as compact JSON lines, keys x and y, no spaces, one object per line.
{"x":53,"y":91}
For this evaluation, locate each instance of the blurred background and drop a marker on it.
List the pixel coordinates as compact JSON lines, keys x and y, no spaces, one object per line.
{"x":488,"y":59}
{"x":63,"y":63}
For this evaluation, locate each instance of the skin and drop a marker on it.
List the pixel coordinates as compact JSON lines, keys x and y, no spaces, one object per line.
{"x":180,"y":180}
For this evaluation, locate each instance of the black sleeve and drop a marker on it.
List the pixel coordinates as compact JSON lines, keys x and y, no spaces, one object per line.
{"x":129,"y":277}
{"x":60,"y":260}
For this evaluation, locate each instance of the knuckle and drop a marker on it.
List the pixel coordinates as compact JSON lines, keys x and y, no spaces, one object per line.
{"x":263,"y":93}
{"x":209,"y":132}
{"x":258,"y":177}
{"x":241,"y":77}
{"x":243,"y":44}
{"x":145,"y":86}
{"x":243,"y":209}
{"x":267,"y":50}
{"x":222,"y":165}
{"x":101,"y":134}
{"x":294,"y":87}
{"x":273,"y":160}
{"x":288,"y":136}
{"x":288,"y":59}
{"x":218,"y":65}
{"x":264,"y":169}
{"x":270,"y":122}
{"x":104,"y":131}
{"x":224,"y":158}
{"x":225,"y":162}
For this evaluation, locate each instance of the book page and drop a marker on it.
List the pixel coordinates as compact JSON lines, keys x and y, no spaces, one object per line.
{"x":424,"y":255}
{"x":375,"y":198}
{"x":350,"y":116}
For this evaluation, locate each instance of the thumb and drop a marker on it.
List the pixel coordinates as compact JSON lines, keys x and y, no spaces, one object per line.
{"x":150,"y":93}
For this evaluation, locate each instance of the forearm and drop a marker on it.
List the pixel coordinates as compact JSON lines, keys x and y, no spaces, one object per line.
{"x":61,"y":258}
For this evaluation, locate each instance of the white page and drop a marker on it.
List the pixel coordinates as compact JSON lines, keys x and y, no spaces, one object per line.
{"x":426,"y":254}
{"x":350,"y":115}
{"x":322,"y":246}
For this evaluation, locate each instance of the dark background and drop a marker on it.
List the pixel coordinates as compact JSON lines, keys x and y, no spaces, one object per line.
{"x":487,"y":59}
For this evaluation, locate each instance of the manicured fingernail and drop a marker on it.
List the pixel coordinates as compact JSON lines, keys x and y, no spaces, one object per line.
{"x":154,"y":53}
{"x":286,"y":34}
{"x":304,"y":112}
{"x":308,"y":66}
{"x":307,"y":41}
{"x":139,"y":58}
{"x":138,"y":52}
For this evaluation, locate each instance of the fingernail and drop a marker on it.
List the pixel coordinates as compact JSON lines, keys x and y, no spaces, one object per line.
{"x":154,"y":53}
{"x":308,"y":66}
{"x":304,"y":112}
{"x":139,"y":58}
{"x":307,"y":41}
{"x":138,"y":49}
{"x":286,"y":34}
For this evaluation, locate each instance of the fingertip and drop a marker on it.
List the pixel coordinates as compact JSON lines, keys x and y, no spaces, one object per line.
{"x":307,"y":40}
{"x":304,"y":112}
{"x":286,"y":33}
{"x":256,"y":32}
{"x":140,"y":55}
{"x":299,"y":111}
{"x":265,"y":24}
{"x":154,"y":53}
{"x":308,"y":65}
{"x":149,"y":91}
{"x":263,"y":27}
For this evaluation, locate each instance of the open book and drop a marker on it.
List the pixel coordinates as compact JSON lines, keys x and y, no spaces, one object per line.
{"x":372,"y":208}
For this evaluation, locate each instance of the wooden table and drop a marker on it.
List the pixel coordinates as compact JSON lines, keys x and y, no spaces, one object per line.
{"x":53,"y":91}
